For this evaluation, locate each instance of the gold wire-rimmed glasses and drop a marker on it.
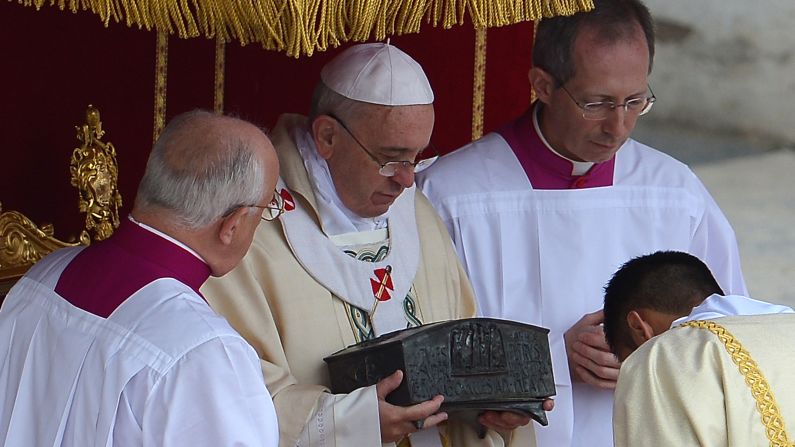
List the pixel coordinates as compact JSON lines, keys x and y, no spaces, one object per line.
{"x":390,"y":168}
{"x":272,"y":210}
{"x":598,"y":111}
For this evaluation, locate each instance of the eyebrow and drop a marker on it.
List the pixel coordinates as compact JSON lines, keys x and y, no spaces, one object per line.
{"x":604,"y":98}
{"x":395,"y":151}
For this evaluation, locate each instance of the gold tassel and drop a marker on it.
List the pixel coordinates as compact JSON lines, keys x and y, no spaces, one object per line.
{"x":301,"y":27}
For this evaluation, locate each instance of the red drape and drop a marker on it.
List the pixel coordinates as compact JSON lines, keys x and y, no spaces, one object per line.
{"x":56,"y":63}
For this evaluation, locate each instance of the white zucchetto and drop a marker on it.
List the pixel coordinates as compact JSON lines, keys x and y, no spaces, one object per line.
{"x":378,"y":73}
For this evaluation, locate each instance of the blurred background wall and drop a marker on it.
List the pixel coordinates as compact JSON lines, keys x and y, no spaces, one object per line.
{"x":727,"y":65}
{"x":724,"y":75}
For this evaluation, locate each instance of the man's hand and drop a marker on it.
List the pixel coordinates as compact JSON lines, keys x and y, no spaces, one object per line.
{"x":508,"y":420}
{"x":503,"y":420}
{"x":399,"y":422}
{"x":590,"y":359}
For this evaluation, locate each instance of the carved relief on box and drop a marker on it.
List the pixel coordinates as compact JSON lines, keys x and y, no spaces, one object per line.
{"x":476,"y":363}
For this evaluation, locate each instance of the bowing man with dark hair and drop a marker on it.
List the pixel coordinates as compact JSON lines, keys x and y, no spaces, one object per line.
{"x":699,"y":367}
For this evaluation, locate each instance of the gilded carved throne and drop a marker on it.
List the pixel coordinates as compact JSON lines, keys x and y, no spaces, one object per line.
{"x":94,"y":172}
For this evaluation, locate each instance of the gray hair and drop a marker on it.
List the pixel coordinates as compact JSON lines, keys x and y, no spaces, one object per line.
{"x":326,"y":101}
{"x":200,"y":173}
{"x":614,"y":20}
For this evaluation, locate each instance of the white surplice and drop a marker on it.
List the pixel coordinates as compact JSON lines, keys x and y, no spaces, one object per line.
{"x":543,"y":256}
{"x":162,"y":370}
{"x":718,"y":306}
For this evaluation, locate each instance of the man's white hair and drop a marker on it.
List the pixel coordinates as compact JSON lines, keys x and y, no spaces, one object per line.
{"x":200,"y":184}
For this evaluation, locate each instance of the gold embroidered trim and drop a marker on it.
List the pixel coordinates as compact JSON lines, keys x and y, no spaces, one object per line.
{"x":443,"y":437}
{"x":303,"y":26}
{"x":361,"y":320}
{"x":161,"y":79}
{"x":760,"y":388}
{"x":220,"y":70}
{"x":479,"y":84}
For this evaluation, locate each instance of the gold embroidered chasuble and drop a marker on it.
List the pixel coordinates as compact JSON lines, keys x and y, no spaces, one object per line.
{"x":293,"y":321}
{"x":722,"y":382}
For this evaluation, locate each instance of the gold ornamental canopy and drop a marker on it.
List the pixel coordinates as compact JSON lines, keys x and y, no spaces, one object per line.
{"x":301,"y":27}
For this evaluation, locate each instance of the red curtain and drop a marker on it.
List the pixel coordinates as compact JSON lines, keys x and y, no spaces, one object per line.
{"x":56,"y":63}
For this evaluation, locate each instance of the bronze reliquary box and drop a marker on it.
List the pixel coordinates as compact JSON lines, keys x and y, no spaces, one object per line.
{"x":477,"y":364}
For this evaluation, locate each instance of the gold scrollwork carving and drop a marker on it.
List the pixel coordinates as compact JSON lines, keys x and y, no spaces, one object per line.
{"x":95,"y":173}
{"x":23,"y":242}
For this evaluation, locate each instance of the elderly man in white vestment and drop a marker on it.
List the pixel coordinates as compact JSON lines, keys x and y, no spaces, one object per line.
{"x":112,"y":344}
{"x":358,"y":253}
{"x":721,"y":376}
{"x":545,"y":209}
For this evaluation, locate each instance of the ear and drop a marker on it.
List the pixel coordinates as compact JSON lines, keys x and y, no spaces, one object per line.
{"x":543,"y":84}
{"x":230,"y":225}
{"x":639,"y":329}
{"x":324,"y":132}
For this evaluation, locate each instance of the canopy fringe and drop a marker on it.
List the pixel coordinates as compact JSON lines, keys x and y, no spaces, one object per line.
{"x":301,"y":27}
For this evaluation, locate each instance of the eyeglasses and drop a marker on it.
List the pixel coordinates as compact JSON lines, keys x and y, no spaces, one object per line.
{"x":390,"y":168}
{"x":274,"y":209}
{"x":597,"y":111}
{"x":270,"y":211}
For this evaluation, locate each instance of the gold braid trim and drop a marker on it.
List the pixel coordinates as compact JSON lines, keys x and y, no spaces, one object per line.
{"x":479,"y":84}
{"x":161,"y":78}
{"x":300,"y":27}
{"x":220,"y":69}
{"x":760,"y":389}
{"x":443,"y":437}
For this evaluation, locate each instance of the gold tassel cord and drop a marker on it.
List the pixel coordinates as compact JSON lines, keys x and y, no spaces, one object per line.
{"x":301,"y":27}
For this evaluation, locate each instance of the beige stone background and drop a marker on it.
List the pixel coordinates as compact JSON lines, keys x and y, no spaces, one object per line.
{"x":724,"y":75}
{"x":754,"y":184}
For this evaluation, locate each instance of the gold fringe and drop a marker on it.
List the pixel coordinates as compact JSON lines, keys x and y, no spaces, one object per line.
{"x":161,"y":80}
{"x":220,"y":69}
{"x":301,"y":27}
{"x":479,"y":84}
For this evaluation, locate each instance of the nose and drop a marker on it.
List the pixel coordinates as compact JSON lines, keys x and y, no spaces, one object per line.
{"x":619,"y":122}
{"x":404,"y":176}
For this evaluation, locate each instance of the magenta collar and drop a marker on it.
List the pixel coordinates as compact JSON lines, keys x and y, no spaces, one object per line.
{"x":546,"y":169}
{"x":105,"y":274}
